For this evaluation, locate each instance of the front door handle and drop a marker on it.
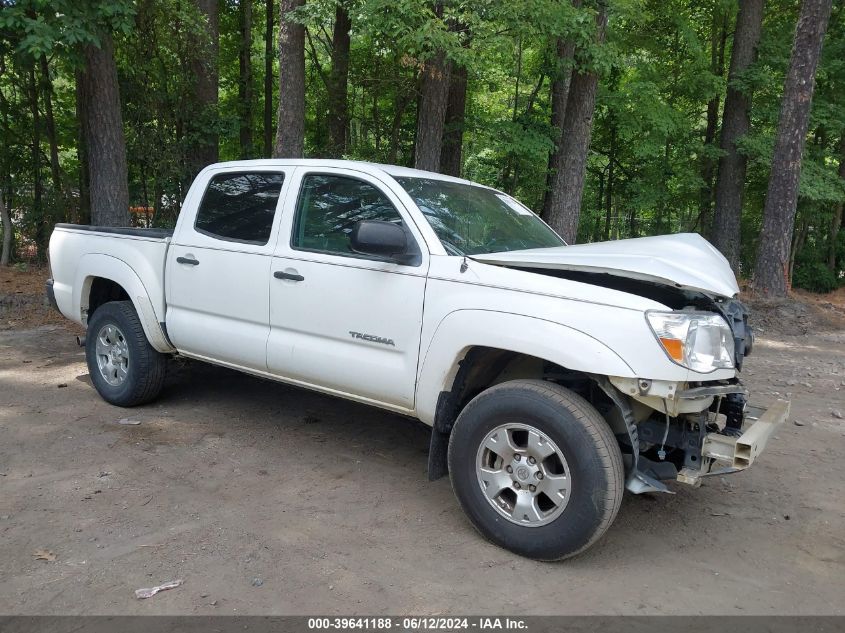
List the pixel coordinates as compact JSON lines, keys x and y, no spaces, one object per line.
{"x":186,"y":260}
{"x":279,"y":274}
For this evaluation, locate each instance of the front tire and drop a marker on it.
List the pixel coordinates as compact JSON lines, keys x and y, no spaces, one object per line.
{"x":536,"y":469}
{"x":125,"y":369}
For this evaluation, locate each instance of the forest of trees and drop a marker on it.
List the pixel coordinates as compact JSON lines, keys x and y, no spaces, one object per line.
{"x":610,"y":118}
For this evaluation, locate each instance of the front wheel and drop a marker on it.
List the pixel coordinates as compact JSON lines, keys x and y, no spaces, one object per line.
{"x":125,"y":369}
{"x":536,"y":469}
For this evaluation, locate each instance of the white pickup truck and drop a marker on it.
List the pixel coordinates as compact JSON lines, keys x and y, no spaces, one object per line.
{"x":553,"y":377}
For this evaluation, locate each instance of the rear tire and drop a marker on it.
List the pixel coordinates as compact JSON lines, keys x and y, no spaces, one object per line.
{"x":125,"y":369}
{"x":554,"y":460}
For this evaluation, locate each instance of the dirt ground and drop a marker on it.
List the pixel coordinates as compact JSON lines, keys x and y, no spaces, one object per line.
{"x":267,"y":499}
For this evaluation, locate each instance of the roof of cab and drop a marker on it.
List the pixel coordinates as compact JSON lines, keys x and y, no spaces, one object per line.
{"x":392,"y":170}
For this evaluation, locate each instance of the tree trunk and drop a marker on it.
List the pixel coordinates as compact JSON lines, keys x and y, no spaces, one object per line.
{"x":50,"y":127}
{"x":565,"y":51}
{"x":431,"y":120}
{"x":375,"y":95}
{"x":508,"y":184}
{"x":611,"y":163}
{"x":157,"y":196}
{"x":451,"y":150}
{"x":245,"y":87}
{"x":338,"y":83}
{"x":568,"y":183}
{"x":451,"y":158}
{"x":403,"y":99}
{"x":5,"y":211}
{"x":798,"y":240}
{"x":104,"y":140}
{"x":431,"y":107}
{"x":836,"y":220}
{"x":718,"y":38}
{"x":269,"y":28}
{"x":204,"y":68}
{"x":290,"y":132}
{"x":84,"y":211}
{"x":596,"y":232}
{"x":5,"y":215}
{"x":770,"y":272}
{"x":35,"y":149}
{"x":736,"y":121}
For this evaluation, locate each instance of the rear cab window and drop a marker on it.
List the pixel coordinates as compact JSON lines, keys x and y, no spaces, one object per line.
{"x":240,"y":207}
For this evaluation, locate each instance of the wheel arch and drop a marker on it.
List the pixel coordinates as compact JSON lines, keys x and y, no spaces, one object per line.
{"x":461,"y":331}
{"x":514,"y":347}
{"x":102,"y":278}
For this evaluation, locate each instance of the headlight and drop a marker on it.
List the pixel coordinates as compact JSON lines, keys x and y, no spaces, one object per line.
{"x":700,"y":341}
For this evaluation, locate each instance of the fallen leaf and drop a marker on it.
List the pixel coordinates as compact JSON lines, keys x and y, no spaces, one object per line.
{"x":44,"y":554}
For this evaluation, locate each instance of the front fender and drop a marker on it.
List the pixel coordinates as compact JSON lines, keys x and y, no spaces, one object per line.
{"x":462,"y":330}
{"x":108,"y":267}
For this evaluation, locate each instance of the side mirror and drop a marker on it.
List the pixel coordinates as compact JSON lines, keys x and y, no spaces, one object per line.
{"x":379,"y":238}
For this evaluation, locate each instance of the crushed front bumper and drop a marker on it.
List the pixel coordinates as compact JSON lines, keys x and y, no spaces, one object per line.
{"x":724,"y":454}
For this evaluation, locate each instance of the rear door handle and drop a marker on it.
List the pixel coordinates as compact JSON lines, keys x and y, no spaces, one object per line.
{"x":186,"y":260}
{"x":279,"y":274}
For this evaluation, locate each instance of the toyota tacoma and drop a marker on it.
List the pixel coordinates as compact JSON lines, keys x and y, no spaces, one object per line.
{"x":554,"y":377}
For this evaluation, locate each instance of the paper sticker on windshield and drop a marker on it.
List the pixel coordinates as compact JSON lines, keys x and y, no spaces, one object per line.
{"x":514,"y":204}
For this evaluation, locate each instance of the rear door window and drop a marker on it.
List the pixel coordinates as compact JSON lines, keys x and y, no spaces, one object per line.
{"x":240,"y":207}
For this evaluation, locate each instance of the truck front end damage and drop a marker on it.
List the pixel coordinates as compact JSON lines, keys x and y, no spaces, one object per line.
{"x":681,"y":429}
{"x":678,"y":431}
{"x":686,"y":431}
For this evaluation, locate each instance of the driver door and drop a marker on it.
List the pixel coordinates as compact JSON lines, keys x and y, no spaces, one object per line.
{"x":341,"y":321}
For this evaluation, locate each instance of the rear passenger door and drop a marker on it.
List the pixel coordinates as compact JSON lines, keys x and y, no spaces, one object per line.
{"x":218,"y":268}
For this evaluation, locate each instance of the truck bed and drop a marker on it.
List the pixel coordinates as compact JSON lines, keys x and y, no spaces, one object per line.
{"x":131,"y":257}
{"x":119,"y":230}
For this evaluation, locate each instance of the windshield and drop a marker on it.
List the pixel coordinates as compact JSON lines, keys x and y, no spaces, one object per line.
{"x":474,"y":220}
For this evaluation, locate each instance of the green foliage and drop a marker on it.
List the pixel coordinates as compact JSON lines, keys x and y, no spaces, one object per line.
{"x":42,"y":26}
{"x":645,"y":168}
{"x":815,"y":277}
{"x":156,"y":82}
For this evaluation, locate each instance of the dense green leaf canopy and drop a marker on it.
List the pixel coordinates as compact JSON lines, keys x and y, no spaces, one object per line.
{"x":663,"y":63}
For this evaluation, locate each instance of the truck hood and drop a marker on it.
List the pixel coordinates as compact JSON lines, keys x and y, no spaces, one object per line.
{"x":684,"y":260}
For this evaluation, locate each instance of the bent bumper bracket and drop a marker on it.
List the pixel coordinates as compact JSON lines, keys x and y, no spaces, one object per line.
{"x":738,"y":453}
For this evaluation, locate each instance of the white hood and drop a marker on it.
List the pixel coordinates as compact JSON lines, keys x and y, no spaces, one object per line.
{"x":684,"y":260}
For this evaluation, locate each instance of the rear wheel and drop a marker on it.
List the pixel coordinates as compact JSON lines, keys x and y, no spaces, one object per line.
{"x":536,"y":468}
{"x":125,"y":369}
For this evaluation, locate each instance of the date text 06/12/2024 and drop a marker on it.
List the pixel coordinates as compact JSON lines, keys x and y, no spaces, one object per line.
{"x":417,"y":623}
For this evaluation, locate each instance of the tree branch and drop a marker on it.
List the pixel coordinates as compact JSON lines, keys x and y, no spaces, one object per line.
{"x":312,"y":49}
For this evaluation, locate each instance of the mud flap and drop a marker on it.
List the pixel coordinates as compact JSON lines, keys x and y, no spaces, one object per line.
{"x":437,"y":455}
{"x":438,"y":452}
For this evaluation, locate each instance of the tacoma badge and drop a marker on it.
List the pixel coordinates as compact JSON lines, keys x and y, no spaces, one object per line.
{"x":372,"y":338}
